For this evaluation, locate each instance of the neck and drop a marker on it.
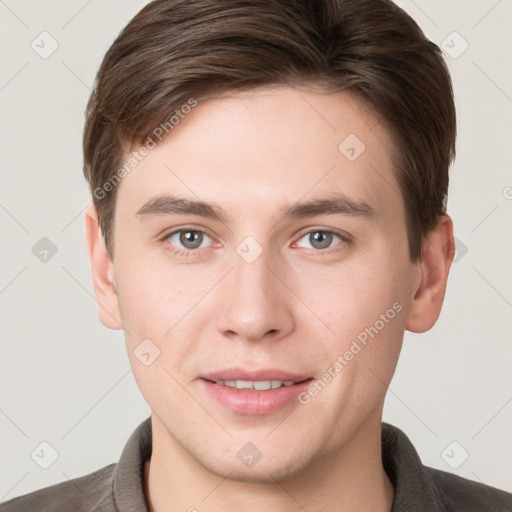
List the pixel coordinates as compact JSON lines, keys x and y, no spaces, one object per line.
{"x":352,"y":478}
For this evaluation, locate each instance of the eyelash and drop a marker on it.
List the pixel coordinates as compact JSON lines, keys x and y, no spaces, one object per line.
{"x":183,"y":252}
{"x":345,"y":240}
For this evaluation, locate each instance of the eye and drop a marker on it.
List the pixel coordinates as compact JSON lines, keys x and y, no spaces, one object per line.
{"x":189,"y":239}
{"x":320,"y":240}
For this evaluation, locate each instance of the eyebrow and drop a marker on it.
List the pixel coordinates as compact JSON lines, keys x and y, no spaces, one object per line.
{"x":166,"y":204}
{"x":334,"y":204}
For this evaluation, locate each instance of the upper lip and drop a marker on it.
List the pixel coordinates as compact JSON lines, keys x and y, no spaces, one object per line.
{"x":254,"y":375}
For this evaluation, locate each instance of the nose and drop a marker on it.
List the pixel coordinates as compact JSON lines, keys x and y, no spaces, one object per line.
{"x":254,"y":303}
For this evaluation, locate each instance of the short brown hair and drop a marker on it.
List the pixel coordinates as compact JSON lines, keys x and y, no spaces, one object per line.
{"x":175,"y":50}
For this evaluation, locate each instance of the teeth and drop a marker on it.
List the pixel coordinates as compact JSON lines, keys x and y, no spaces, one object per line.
{"x":258,"y":385}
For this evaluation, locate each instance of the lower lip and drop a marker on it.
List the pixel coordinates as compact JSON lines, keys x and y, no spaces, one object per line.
{"x":255,"y":402}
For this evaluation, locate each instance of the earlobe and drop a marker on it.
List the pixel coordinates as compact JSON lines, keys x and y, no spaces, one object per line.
{"x":102,"y":272}
{"x":436,"y":259}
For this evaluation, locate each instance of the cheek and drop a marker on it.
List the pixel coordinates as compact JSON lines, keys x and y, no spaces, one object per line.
{"x":145,"y":307}
{"x":363,"y":312}
{"x":156,"y":312}
{"x":153,"y":297}
{"x":358,"y":359}
{"x":164,"y":304}
{"x":345,"y":298}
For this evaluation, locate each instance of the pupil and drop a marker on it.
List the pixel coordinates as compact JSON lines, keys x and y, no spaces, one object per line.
{"x":320,"y":239}
{"x":191,"y":239}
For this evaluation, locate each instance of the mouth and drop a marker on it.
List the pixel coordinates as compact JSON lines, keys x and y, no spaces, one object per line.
{"x":255,"y":393}
{"x":258,"y":385}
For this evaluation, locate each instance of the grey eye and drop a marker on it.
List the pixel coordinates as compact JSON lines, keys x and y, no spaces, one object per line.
{"x":188,"y":238}
{"x":320,"y":239}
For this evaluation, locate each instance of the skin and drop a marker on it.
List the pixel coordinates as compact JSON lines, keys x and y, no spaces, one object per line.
{"x":296,"y":307}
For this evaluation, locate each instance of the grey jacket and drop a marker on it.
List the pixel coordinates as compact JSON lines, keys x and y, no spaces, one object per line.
{"x":120,"y":487}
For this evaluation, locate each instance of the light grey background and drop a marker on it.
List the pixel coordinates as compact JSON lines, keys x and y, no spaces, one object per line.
{"x":66,"y":380}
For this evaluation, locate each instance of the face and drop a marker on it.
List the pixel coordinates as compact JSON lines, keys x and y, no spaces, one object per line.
{"x":264,"y":242}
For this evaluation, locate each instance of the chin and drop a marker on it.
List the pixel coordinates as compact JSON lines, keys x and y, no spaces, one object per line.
{"x":261,"y":475}
{"x":262,"y":472}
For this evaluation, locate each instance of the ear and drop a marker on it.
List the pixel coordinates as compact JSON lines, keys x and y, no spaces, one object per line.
{"x":436,"y":259}
{"x":102,"y":271}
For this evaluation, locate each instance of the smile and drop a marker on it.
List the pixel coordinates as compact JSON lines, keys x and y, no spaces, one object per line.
{"x":255,"y":385}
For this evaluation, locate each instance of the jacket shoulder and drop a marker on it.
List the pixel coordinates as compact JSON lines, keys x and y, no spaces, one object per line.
{"x":87,"y":493}
{"x":468,"y":496}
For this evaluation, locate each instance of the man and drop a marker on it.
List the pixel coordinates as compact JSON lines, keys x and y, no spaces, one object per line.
{"x":269,"y":186}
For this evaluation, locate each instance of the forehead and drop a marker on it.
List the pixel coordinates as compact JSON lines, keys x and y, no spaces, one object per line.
{"x":266,"y":147}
